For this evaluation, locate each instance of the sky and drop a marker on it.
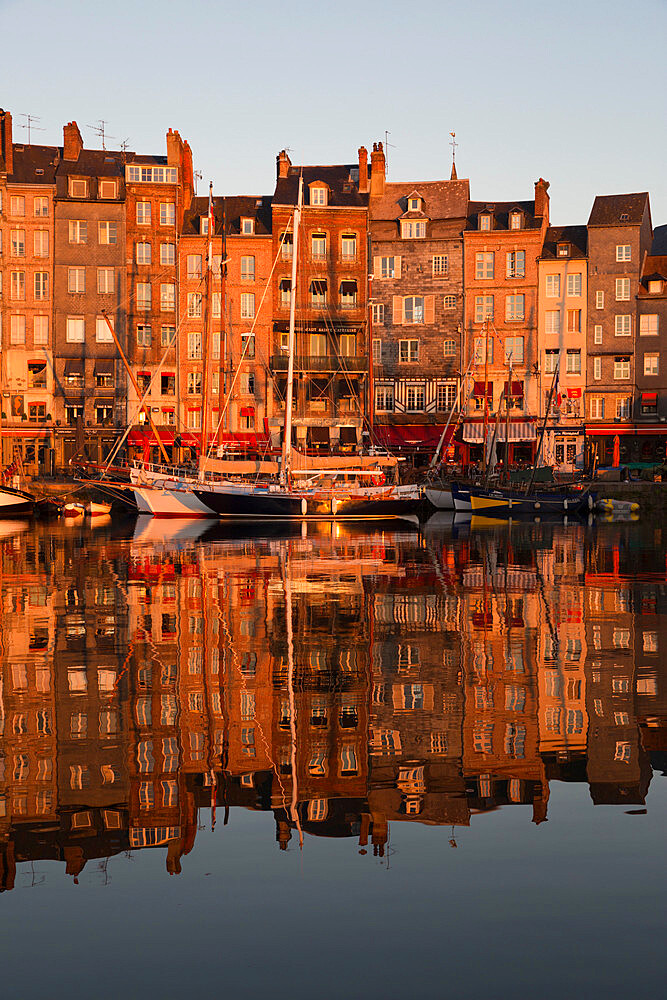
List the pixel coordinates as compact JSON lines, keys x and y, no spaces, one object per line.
{"x":575,"y":92}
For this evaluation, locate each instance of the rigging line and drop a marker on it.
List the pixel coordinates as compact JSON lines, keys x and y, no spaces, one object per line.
{"x":147,"y":393}
{"x":247,"y":343}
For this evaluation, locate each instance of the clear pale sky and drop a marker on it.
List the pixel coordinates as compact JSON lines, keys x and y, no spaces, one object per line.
{"x":572,"y":91}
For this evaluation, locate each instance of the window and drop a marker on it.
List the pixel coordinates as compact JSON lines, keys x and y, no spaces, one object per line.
{"x":414,"y":398}
{"x":573,"y":362}
{"x":485,"y":222}
{"x":378,"y":313}
{"x":40,"y":208}
{"x":194,"y":383}
{"x":480,"y":350}
{"x":483,"y":308}
{"x":446,"y":396}
{"x":552,"y":286}
{"x":484,"y":265}
{"x":247,"y":227}
{"x":552,"y":321}
{"x":216,"y":304}
{"x":622,"y":325}
{"x":449,"y":348}
{"x":440,"y":265}
{"x":75,"y":330}
{"x":622,"y":368}
{"x":167,"y":384}
{"x":167,"y":297}
{"x":624,"y":252}
{"x":37,"y":375}
{"x":514,"y":307}
{"x":17,"y":330}
{"x":318,"y":294}
{"x":413,"y":309}
{"x":514,"y":350}
{"x":597,"y":334}
{"x":76,"y":279}
{"x":78,"y":231}
{"x":574,"y":285}
{"x":574,"y":320}
{"x":203,"y":225}
{"x":412,"y":230}
{"x":515,"y":264}
{"x":18,"y":285}
{"x":143,"y":253}
{"x":377,"y":351}
{"x":167,"y":213}
{"x":651,"y":364}
{"x":348,"y":246}
{"x":623,"y":408}
{"x":102,"y":331}
{"x":40,"y":330}
{"x":78,"y":188}
{"x":599,"y":300}
{"x":105,"y":280}
{"x":247,"y":305}
{"x":143,"y":213}
{"x":516,"y":219}
{"x":248,"y":345}
{"x":167,"y":254}
{"x":449,"y":302}
{"x":195,"y":301}
{"x":347,"y":345}
{"x":285,"y":286}
{"x":318,"y":195}
{"x":384,"y":399}
{"x":390,"y":267}
{"x":655,"y":286}
{"x":193,"y":264}
{"x":648,"y":325}
{"x":551,"y":361}
{"x":143,"y":298}
{"x":18,"y":243}
{"x":622,"y":289}
{"x":107,"y":189}
{"x":167,"y":336}
{"x":41,"y":243}
{"x":597,"y":369}
{"x":597,"y":408}
{"x":318,"y":246}
{"x":17,"y":205}
{"x":107,"y":233}
{"x":348,"y":294}
{"x":194,"y":346}
{"x":247,"y":268}
{"x":286,"y":245}
{"x":152,"y":175}
{"x":144,"y":335}
{"x":318,"y":345}
{"x":408,"y":351}
{"x":41,"y":285}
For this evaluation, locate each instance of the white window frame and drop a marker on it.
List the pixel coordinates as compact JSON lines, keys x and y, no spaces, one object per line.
{"x":408,"y":352}
{"x":440,"y":264}
{"x":597,"y":368}
{"x":649,"y":325}
{"x":168,"y":254}
{"x":318,"y":195}
{"x":622,"y":370}
{"x":167,"y":213}
{"x":485,"y":265}
{"x":247,"y":305}
{"x":623,"y":252}
{"x":104,"y":285}
{"x":651,"y":364}
{"x":76,"y":280}
{"x":413,"y":229}
{"x":143,"y":253}
{"x":378,"y":313}
{"x":75,"y":330}
{"x":597,"y":334}
{"x":102,"y":331}
{"x":552,"y":286}
{"x":78,"y":231}
{"x":107,"y":233}
{"x":574,"y":285}
{"x":622,"y":289}
{"x":623,"y":325}
{"x":144,"y":213}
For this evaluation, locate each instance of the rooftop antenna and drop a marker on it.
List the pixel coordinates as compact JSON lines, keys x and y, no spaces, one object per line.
{"x":387,"y":144}
{"x":453,"y":143}
{"x":197,"y":177}
{"x":100,"y":129}
{"x":29,"y":119}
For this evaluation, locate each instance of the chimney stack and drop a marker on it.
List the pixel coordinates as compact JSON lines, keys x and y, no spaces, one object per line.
{"x":72,"y":141}
{"x":283,"y":163}
{"x":174,"y":148}
{"x":542,"y":199}
{"x":377,"y":170}
{"x":363,"y":169}
{"x":6,"y":140}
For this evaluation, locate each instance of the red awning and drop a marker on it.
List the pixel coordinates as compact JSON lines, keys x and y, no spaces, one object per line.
{"x":247,"y":411}
{"x":144,"y":374}
{"x":412,"y":436}
{"x":517,"y":389}
{"x":655,"y":431}
{"x":574,"y":393}
{"x":478,"y":389}
{"x":649,"y":397}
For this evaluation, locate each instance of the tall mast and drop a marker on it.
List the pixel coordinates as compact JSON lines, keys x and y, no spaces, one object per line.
{"x":207,"y":335}
{"x":287,"y":434}
{"x":508,"y":397}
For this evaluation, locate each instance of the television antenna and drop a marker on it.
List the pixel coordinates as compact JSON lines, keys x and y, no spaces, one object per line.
{"x":29,"y":124}
{"x":387,"y":144}
{"x":100,"y":129}
{"x":197,"y":177}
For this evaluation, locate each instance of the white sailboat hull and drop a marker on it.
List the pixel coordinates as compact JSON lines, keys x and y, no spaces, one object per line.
{"x":440,"y":498}
{"x":160,"y":502}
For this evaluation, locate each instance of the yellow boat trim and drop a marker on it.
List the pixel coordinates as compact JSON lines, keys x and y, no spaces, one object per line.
{"x":483,"y":503}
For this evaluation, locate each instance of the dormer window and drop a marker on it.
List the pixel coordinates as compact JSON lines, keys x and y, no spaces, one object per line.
{"x":516,"y":220}
{"x":247,"y":227}
{"x":655,"y":286}
{"x":414,"y":204}
{"x":318,"y":195}
{"x":625,"y":217}
{"x":203,"y":225}
{"x":412,"y":230}
{"x":78,"y":188}
{"x":107,"y":189}
{"x":563,"y":250}
{"x":485,"y":221}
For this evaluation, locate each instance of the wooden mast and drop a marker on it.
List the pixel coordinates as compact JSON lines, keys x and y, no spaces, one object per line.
{"x":287,"y":433}
{"x":207,"y":336}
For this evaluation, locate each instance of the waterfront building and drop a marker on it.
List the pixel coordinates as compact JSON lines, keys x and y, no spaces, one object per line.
{"x":619,"y":236}
{"x":331,"y":371}
{"x":650,"y":404}
{"x":561,"y":330}
{"x":27,"y":178}
{"x":416,"y":303}
{"x":502,"y":245}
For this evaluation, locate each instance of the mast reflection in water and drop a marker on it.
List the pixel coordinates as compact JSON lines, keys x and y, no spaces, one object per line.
{"x":343,"y":682}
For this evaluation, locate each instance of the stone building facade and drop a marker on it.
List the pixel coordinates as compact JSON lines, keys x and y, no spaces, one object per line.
{"x":416,"y":304}
{"x":650,"y":404}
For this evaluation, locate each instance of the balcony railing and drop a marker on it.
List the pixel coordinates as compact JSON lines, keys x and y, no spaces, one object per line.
{"x":319,"y":363}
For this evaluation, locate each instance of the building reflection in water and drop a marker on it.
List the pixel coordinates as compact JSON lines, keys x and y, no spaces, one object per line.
{"x":344,"y":681}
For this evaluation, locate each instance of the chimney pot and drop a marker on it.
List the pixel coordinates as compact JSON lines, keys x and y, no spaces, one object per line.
{"x":378,"y":170}
{"x":363,"y":169}
{"x":72,"y":141}
{"x":283,"y":163}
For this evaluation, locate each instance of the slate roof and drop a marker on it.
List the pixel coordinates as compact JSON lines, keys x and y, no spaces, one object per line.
{"x":29,"y":159}
{"x":341,"y":179}
{"x":576,"y":236}
{"x":440,"y":200}
{"x":94,"y":163}
{"x":659,"y":241}
{"x":608,"y":209}
{"x":234,"y":207}
{"x":654,"y":267}
{"x":500,"y":210}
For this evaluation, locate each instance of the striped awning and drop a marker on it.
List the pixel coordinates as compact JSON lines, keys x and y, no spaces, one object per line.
{"x":474,"y":433}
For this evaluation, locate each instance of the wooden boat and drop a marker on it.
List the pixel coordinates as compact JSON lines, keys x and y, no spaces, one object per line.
{"x":90,"y":508}
{"x":15,"y":502}
{"x":461,"y":498}
{"x":501,"y":501}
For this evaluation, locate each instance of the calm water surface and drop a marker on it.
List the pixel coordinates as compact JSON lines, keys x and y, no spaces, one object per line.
{"x":332,"y":763}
